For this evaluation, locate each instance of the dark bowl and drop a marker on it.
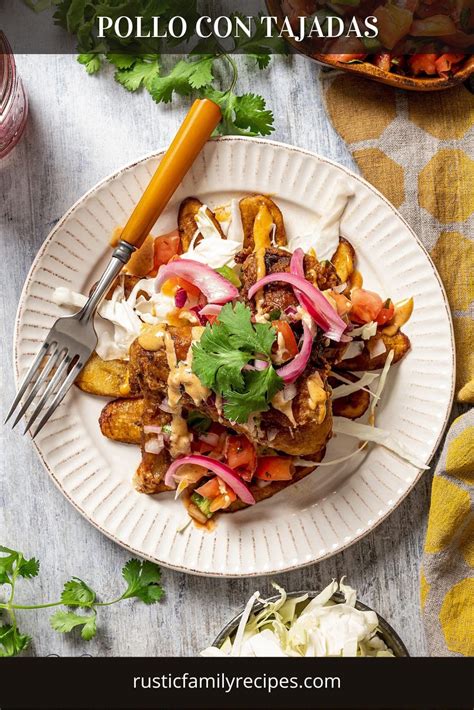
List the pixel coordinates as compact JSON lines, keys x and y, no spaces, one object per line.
{"x":370,"y":71}
{"x":386,"y":633}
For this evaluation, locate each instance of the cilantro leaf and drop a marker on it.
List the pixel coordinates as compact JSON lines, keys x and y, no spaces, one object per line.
{"x":143,"y":579}
{"x":28,"y":568}
{"x":77,"y":593}
{"x":140,"y":73}
{"x":259,"y":47}
{"x":244,"y":115}
{"x":260,"y":388}
{"x":12,"y":642}
{"x":186,"y":76}
{"x":65,"y":621}
{"x":223,"y":351}
{"x":92,"y":62}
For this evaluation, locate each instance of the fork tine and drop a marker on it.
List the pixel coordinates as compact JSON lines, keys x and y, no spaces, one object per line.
{"x":52,"y":384}
{"x":42,"y":378}
{"x":28,"y":377}
{"x":60,"y":395}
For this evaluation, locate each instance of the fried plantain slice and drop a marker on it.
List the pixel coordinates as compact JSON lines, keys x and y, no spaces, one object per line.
{"x":249,"y":207}
{"x":188,"y":210}
{"x":399,"y":342}
{"x":344,"y":259}
{"x":121,"y":420}
{"x":354,"y":405}
{"x":105,"y":378}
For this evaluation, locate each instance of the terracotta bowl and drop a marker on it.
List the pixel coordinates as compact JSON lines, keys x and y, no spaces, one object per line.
{"x":369,"y":71}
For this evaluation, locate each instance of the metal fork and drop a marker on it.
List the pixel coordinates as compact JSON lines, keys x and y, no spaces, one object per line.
{"x":72,"y":339}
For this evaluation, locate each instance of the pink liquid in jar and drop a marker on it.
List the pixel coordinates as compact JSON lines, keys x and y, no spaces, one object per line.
{"x":13,"y":100}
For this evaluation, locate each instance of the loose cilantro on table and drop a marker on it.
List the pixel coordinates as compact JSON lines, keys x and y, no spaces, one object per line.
{"x":223,"y":351}
{"x":142,"y":578}
{"x":140,"y":63}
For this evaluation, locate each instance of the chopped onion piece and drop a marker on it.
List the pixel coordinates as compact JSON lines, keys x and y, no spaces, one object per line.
{"x":220,"y":469}
{"x":151,"y":429}
{"x":155,"y":445}
{"x":366,"y":331}
{"x":211,"y":309}
{"x":340,"y":288}
{"x":180,"y":298}
{"x":165,"y":406}
{"x":210,"y":438}
{"x":215,"y":287}
{"x":365,"y":432}
{"x":289,"y":392}
{"x":290,"y":372}
{"x":345,"y":390}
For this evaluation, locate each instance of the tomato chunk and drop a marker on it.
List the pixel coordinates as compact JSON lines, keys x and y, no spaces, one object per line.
{"x":165,"y":248}
{"x":386,"y":312}
{"x":241,"y":456}
{"x":426,"y":63}
{"x":274,"y":468}
{"x":366,"y":305}
{"x":289,"y":339}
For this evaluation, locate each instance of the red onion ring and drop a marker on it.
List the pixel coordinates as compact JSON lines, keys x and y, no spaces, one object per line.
{"x":220,"y":469}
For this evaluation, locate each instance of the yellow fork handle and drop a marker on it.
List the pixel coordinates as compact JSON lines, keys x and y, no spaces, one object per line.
{"x":195,"y":130}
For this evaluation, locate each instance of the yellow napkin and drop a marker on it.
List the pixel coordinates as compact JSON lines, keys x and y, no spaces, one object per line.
{"x":418,"y":150}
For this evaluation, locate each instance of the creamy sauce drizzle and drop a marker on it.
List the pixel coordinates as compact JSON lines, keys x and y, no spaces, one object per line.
{"x":317,"y":396}
{"x":285,"y":408}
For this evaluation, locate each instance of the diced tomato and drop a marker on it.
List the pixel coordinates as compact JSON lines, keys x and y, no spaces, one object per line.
{"x":210,"y":489}
{"x":347,"y":57}
{"x":284,"y":328}
{"x":383,"y":60}
{"x":211,"y":319}
{"x":241,"y":456}
{"x":420,"y":63}
{"x":445,"y":63}
{"x":203,"y":447}
{"x":274,"y":468}
{"x":386,"y":313}
{"x":343,"y":305}
{"x":366,"y":305}
{"x":165,"y":248}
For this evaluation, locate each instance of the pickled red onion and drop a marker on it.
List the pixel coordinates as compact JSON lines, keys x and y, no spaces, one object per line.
{"x":215,"y":287}
{"x":220,"y":469}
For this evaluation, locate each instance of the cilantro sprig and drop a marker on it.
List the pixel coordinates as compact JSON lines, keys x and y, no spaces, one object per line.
{"x":141,"y":63}
{"x":220,"y":356}
{"x":142,"y":579}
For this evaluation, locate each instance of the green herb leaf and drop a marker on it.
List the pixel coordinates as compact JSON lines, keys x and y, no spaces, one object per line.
{"x":187,"y":75}
{"x":140,"y":73}
{"x":230,"y":275}
{"x":143,"y":579}
{"x":91,"y":62}
{"x":199,"y":421}
{"x":77,"y":593}
{"x":260,"y":388}
{"x":66,"y":621}
{"x":12,"y":642}
{"x":223,"y":351}
{"x":244,"y":115}
{"x":259,"y":47}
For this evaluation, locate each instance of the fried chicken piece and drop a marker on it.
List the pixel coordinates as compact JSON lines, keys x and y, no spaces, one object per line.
{"x":305,"y":431}
{"x":279,"y":295}
{"x":149,"y":474}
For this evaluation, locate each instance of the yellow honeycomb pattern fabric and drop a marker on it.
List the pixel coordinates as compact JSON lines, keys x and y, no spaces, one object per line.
{"x":418,"y":150}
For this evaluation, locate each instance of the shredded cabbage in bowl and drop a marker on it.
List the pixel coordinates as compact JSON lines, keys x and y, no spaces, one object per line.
{"x":322,"y":628}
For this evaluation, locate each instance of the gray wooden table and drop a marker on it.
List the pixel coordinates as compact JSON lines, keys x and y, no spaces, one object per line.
{"x":80,"y":129}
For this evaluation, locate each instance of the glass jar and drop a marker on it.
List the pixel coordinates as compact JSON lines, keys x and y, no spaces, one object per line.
{"x":13,"y":100}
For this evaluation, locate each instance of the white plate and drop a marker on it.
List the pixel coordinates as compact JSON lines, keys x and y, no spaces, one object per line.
{"x":332,"y":507}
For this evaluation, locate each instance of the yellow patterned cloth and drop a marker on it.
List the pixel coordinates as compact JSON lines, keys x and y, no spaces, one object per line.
{"x":418,"y":150}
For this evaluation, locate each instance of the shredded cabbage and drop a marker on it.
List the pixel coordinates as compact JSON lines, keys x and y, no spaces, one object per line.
{"x":365,"y":432}
{"x":344,"y":390}
{"x":322,"y":628}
